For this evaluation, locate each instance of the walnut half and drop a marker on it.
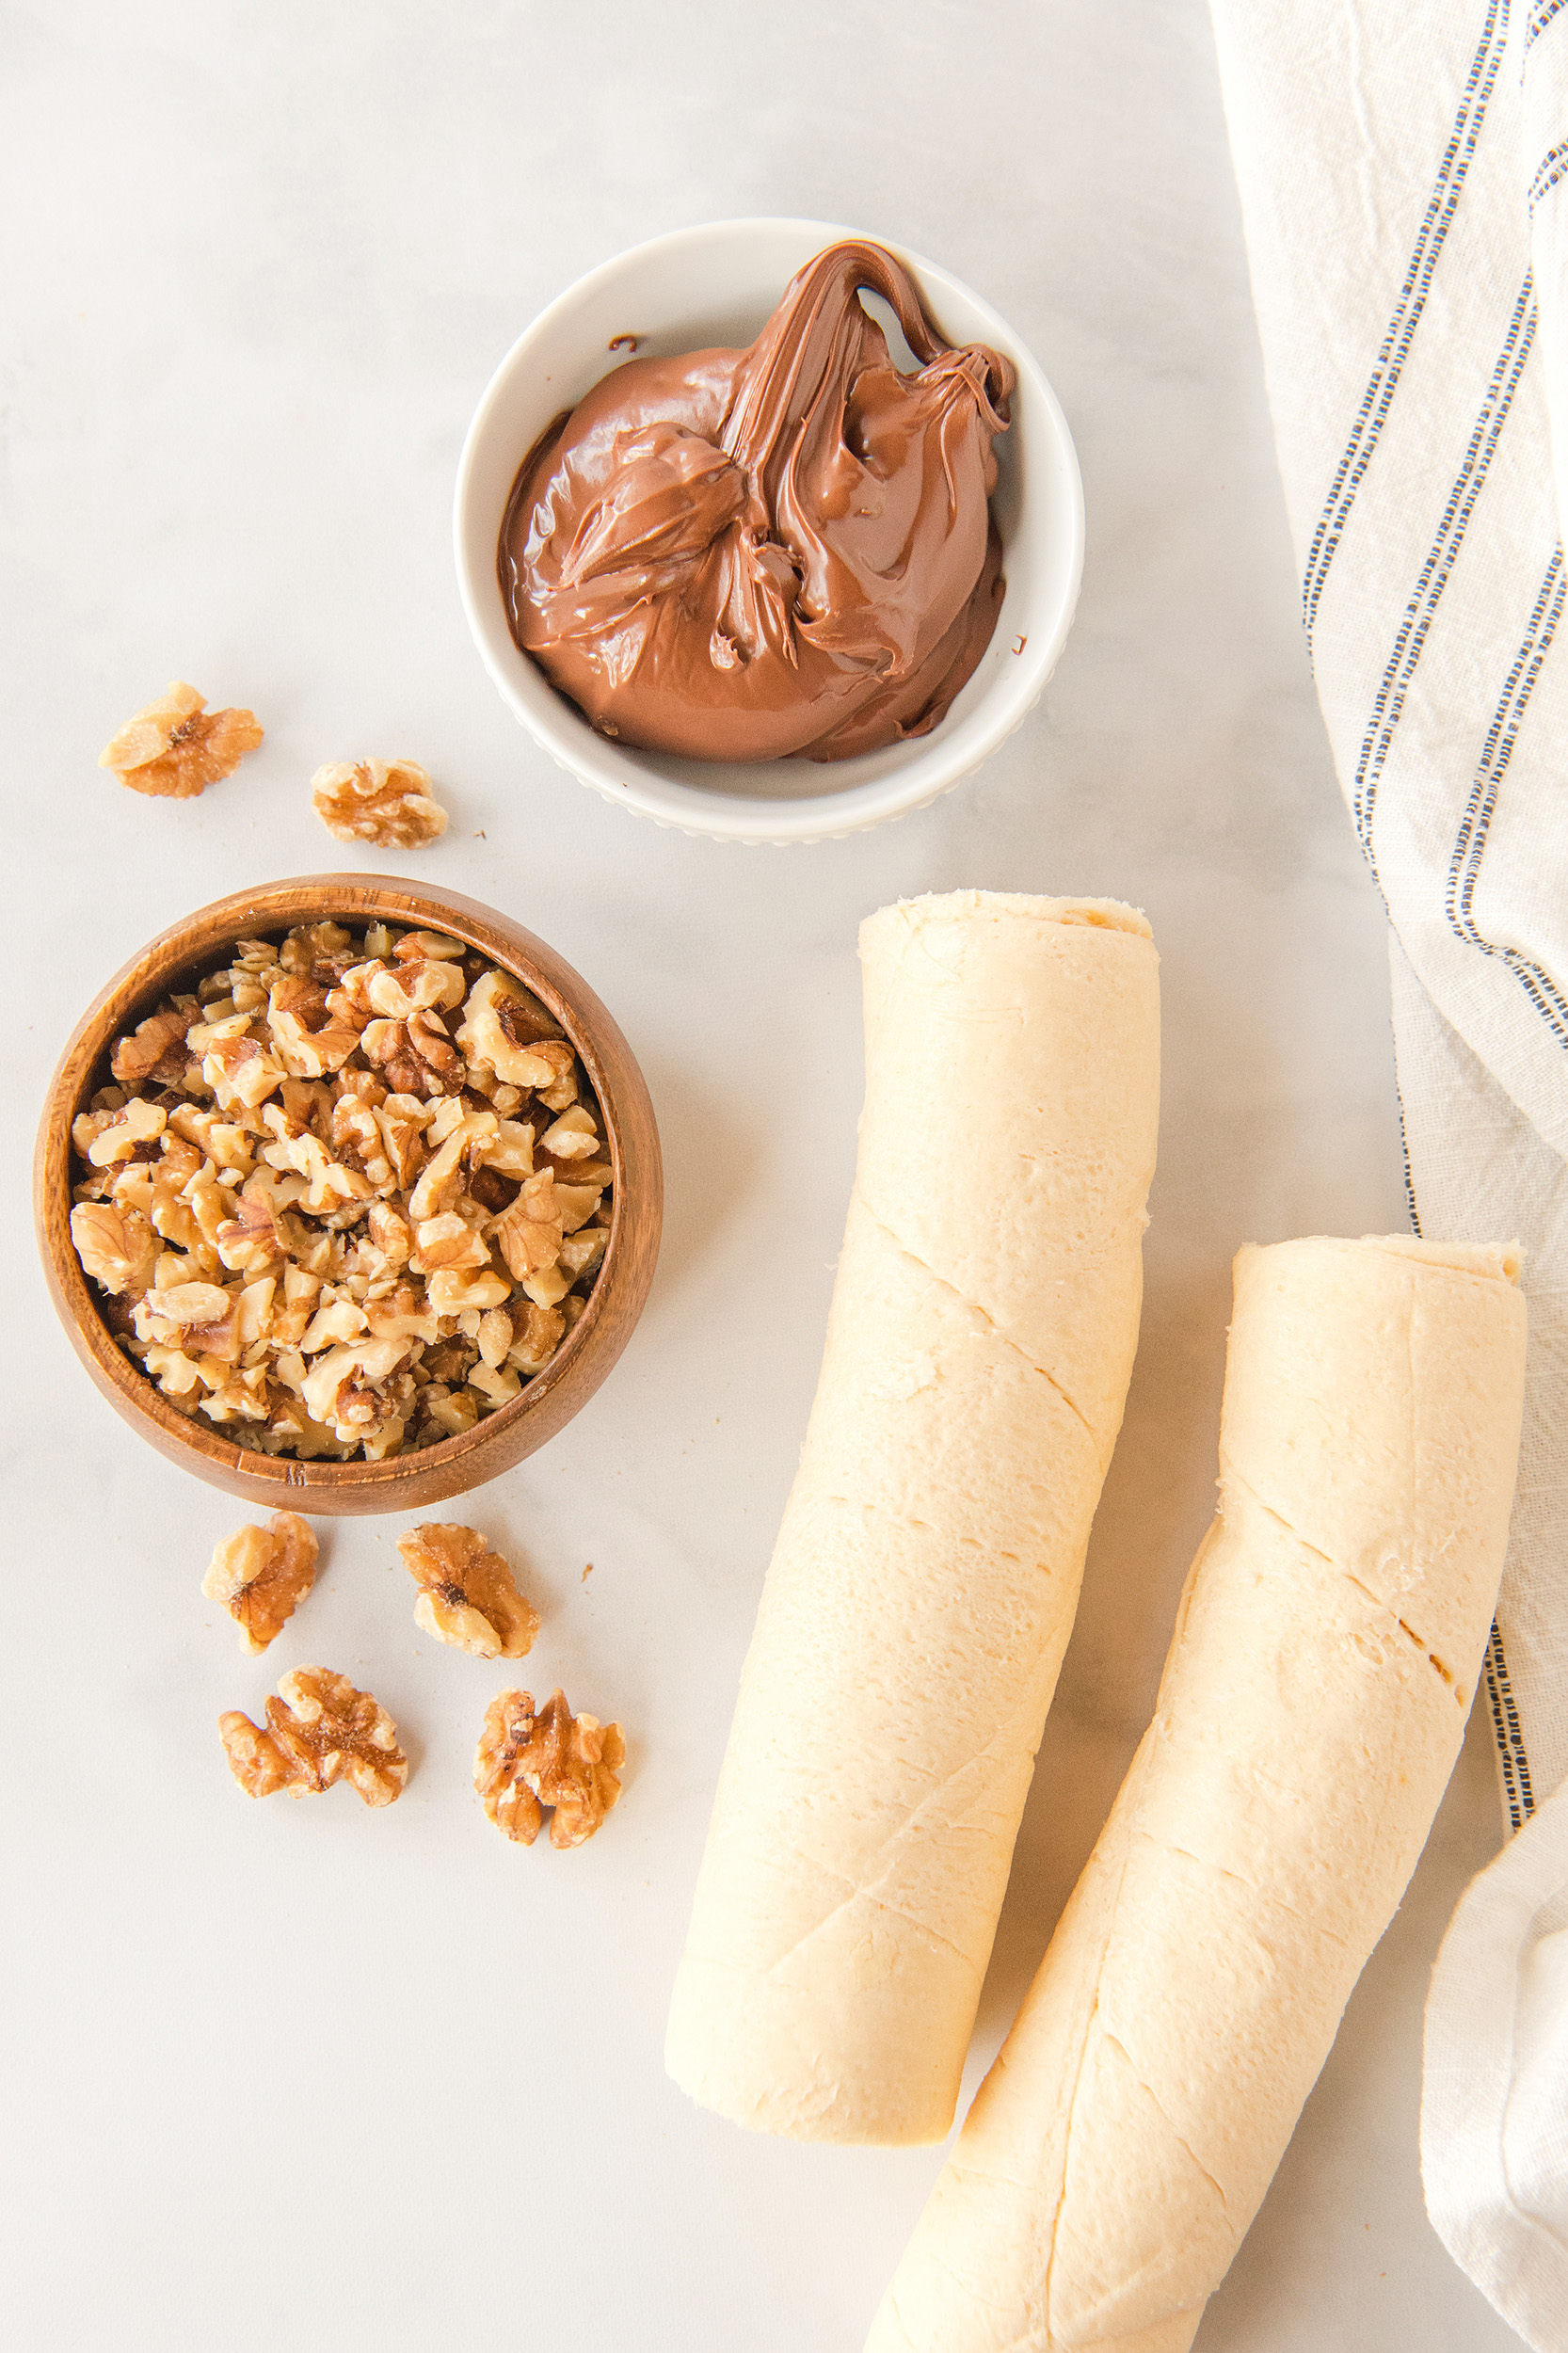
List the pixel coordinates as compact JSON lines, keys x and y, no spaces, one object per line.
{"x":318,"y":1731}
{"x":175,"y":747}
{"x":388,"y":802}
{"x":526,"y":1761}
{"x":262,"y":1574}
{"x":469,"y":1596}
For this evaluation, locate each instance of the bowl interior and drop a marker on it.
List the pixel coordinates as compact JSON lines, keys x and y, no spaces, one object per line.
{"x":178,"y":960}
{"x":717,"y":285}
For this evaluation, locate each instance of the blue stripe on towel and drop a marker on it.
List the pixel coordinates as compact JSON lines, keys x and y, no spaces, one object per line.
{"x":1551,"y":168}
{"x":1409,"y":644}
{"x":1471,"y":846}
{"x":1512,"y":1757}
{"x":1401,"y":327}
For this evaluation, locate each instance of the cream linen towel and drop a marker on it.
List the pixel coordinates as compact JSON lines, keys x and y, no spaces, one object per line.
{"x":1403,"y":171}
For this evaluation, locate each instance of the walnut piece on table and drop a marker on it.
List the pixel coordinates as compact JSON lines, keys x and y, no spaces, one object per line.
{"x":318,"y":1731}
{"x":526,"y":1761}
{"x":469,"y":1596}
{"x":387,"y":802}
{"x":175,"y":746}
{"x":262,"y":1574}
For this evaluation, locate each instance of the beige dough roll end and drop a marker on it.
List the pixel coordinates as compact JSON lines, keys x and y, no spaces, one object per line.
{"x":1325,"y":1655}
{"x":926,"y":1573}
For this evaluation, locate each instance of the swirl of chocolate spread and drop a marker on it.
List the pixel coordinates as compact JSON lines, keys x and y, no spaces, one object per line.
{"x":788,"y":550}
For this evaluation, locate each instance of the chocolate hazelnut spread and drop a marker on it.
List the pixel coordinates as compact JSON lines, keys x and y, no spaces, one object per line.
{"x":788,"y":550}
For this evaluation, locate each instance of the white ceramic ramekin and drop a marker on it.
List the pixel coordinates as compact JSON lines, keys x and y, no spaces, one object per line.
{"x":717,"y":285}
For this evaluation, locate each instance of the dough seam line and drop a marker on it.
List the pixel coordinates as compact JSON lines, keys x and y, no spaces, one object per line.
{"x":1234,"y":1479}
{"x":1292,"y":1911}
{"x":975,"y":1308}
{"x":1180,"y":2138}
{"x":882,"y":1863}
{"x":1140,"y":1766}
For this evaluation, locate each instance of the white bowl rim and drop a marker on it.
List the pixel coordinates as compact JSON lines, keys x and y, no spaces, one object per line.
{"x":937,"y":763}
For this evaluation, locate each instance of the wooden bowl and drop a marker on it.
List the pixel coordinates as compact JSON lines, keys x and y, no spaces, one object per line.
{"x":547,"y":1401}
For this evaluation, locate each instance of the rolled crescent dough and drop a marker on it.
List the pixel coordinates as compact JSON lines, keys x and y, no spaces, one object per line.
{"x":927,"y":1570}
{"x":1327,"y":1645}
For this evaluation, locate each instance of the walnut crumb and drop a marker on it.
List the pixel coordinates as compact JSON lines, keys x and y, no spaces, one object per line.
{"x":469,"y":1596}
{"x":175,"y":747}
{"x":526,"y":1761}
{"x":262,"y":1574}
{"x":387,"y":802}
{"x":319,"y":1730}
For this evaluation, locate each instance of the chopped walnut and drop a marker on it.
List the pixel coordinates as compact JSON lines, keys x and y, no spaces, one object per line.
{"x":469,"y":1596}
{"x":125,"y":1130}
{"x":449,"y":1414}
{"x":348,"y":1194}
{"x":388,"y":802}
{"x":504,"y":1026}
{"x":319,"y":1730}
{"x":157,"y":1049}
{"x":388,"y":1230}
{"x":494,"y":1335}
{"x":117,"y":1247}
{"x":262,"y":1574}
{"x":525,"y":1762}
{"x":528,"y":1234}
{"x":575,"y":1137}
{"x":416,"y":1056}
{"x":582,"y":1253}
{"x":543,"y":1330}
{"x":176,"y":747}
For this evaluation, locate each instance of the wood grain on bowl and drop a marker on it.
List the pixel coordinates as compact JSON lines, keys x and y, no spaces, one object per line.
{"x":402,"y":1482}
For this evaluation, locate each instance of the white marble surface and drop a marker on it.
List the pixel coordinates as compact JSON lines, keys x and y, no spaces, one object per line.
{"x":382,"y":2074}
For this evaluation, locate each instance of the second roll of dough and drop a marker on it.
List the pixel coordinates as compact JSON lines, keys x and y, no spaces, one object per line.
{"x":927,"y":1573}
{"x":1325,"y":1656}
